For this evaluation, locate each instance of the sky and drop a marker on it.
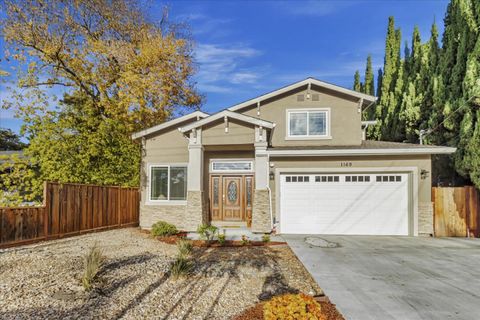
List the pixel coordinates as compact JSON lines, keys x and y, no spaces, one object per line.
{"x":246,"y":48}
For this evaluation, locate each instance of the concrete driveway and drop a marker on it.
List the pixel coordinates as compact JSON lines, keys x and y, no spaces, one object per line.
{"x":395,"y":277}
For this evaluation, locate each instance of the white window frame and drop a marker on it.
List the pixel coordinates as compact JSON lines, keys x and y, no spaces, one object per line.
{"x":327,"y":134}
{"x":149,"y":200}
{"x":252,"y":163}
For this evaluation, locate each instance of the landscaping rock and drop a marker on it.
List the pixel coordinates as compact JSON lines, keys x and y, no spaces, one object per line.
{"x":42,"y":281}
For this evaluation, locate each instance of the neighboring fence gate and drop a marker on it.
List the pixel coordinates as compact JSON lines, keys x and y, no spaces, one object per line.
{"x":69,"y":209}
{"x":456,"y":211}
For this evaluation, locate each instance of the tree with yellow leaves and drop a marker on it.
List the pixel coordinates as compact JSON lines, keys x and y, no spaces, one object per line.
{"x":119,"y":70}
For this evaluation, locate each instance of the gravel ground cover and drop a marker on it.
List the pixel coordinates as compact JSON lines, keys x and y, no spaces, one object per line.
{"x":43,"y":281}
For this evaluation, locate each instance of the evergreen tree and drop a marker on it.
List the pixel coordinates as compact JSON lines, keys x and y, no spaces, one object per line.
{"x":369,"y":86}
{"x":357,"y":85}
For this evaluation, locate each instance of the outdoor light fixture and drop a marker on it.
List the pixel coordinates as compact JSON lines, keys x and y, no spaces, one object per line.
{"x":272,"y":175}
{"x":424,"y":174}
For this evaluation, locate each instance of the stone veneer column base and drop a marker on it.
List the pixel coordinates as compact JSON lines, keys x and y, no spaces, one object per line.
{"x":425,"y":218}
{"x":261,"y":221}
{"x":194,"y":211}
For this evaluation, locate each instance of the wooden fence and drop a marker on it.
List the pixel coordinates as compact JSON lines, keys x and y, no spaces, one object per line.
{"x":456,"y":211}
{"x":69,"y":209}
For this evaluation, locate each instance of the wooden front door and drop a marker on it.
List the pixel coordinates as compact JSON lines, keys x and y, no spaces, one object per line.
{"x":231,"y":198}
{"x":232,"y":195}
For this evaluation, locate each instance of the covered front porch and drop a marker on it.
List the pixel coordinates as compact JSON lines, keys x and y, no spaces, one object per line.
{"x":227,"y":182}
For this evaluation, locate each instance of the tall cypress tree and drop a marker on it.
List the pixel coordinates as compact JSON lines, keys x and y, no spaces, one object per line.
{"x":357,"y":85}
{"x":369,"y":87}
{"x":390,"y":69}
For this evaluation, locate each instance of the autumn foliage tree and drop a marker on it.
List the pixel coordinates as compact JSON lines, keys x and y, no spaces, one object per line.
{"x":119,"y":71}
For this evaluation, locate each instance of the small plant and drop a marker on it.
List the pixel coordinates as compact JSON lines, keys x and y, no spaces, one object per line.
{"x":207,"y":232}
{"x":92,"y":263}
{"x":184,"y":247}
{"x":293,"y":306}
{"x":162,"y":229}
{"x":245,"y":240}
{"x":221,"y":239}
{"x":266,"y":238}
{"x":182,"y":266}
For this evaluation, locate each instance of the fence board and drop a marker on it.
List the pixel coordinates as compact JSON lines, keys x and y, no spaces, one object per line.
{"x":69,"y":209}
{"x":456,"y":211}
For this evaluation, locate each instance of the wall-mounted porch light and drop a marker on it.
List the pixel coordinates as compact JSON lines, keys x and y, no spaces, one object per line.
{"x":424,"y":174}
{"x":271,"y":175}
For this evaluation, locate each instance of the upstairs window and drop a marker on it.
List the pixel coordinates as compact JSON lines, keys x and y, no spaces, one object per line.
{"x":313,"y":123}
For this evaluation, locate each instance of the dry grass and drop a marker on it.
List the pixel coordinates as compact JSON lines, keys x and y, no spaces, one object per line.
{"x":92,"y":263}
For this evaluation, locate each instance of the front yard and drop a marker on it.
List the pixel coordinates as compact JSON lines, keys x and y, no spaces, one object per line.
{"x":43,"y":280}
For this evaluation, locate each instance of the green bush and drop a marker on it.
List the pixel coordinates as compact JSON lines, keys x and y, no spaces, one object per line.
{"x":221,"y":239}
{"x":92,"y":263}
{"x":162,"y":228}
{"x":293,"y":306}
{"x":245,"y":240}
{"x":266,"y":238}
{"x":207,"y":232}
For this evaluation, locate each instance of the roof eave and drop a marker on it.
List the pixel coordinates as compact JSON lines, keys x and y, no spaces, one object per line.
{"x":360,"y":152}
{"x":165,"y":125}
{"x":228,"y":114}
{"x":295,"y":85}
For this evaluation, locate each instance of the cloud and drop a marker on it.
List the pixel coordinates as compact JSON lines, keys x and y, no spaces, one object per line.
{"x":221,"y":65}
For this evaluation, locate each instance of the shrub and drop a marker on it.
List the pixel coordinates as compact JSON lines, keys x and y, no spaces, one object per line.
{"x":207,"y":232}
{"x":92,"y":262}
{"x":221,"y":239}
{"x":184,"y":247}
{"x":182,"y":266}
{"x":162,"y":228}
{"x":266,"y":238}
{"x":293,"y":306}
{"x":245,"y":240}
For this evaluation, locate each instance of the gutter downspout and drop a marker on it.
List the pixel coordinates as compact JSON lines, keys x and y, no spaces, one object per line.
{"x":269,"y":193}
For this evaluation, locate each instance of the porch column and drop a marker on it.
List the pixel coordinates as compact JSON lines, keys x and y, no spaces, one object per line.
{"x":261,"y":220}
{"x":195,"y":213}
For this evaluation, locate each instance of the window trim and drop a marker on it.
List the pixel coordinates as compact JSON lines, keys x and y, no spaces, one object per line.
{"x":327,"y":134}
{"x":149,"y":200}
{"x":251,"y":161}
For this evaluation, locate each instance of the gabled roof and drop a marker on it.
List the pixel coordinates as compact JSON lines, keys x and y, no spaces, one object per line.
{"x":228,"y":114}
{"x":316,"y":82}
{"x":167,"y":124}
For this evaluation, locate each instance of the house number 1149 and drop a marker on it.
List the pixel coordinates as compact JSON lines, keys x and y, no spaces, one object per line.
{"x":345,"y":164}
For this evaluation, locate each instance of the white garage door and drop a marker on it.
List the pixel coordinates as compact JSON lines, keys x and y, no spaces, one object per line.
{"x":360,"y":203}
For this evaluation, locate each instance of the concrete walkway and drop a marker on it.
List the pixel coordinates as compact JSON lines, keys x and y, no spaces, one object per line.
{"x":395,"y":277}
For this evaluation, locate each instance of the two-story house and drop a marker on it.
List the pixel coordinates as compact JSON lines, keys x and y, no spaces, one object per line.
{"x":294,"y":159}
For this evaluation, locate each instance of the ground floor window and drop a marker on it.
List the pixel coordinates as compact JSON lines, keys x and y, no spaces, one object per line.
{"x":168,"y":183}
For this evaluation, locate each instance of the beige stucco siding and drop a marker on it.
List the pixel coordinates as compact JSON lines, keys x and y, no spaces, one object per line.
{"x":238,"y":133}
{"x":165,"y":147}
{"x":315,"y":164}
{"x":345,"y":120}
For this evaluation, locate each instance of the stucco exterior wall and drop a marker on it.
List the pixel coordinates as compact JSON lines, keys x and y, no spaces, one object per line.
{"x":238,"y":133}
{"x":421,"y":162}
{"x":345,"y":124}
{"x":165,"y":147}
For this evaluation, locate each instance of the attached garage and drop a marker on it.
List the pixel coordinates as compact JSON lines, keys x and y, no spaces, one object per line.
{"x":351,"y":203}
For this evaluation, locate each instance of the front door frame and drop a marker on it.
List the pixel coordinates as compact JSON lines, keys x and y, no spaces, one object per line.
{"x":217,"y":209}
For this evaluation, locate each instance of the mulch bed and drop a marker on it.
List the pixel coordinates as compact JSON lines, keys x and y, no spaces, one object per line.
{"x":215,"y":244}
{"x":256,"y":312}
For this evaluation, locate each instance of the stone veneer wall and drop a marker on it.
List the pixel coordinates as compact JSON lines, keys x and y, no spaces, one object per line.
{"x":195,"y":210}
{"x":261,"y":212}
{"x":425,"y":218}
{"x":174,"y":214}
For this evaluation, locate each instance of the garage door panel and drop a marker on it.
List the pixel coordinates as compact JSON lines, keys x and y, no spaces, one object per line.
{"x":344,"y":206}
